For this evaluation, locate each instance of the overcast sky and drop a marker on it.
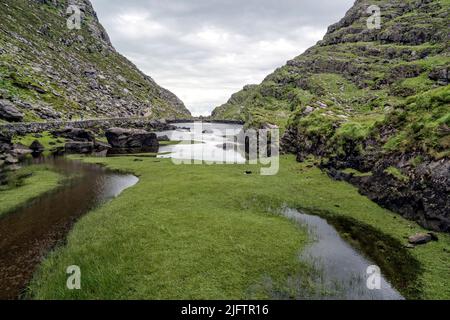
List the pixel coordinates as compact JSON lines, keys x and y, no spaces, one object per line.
{"x":206,"y":50}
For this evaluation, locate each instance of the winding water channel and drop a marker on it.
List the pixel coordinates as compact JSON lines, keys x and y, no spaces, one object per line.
{"x":29,"y":233}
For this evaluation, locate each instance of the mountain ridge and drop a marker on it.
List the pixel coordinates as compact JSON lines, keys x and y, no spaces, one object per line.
{"x":49,"y":72}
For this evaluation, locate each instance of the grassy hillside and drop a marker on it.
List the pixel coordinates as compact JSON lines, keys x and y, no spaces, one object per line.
{"x":50,"y":72}
{"x":357,"y":79}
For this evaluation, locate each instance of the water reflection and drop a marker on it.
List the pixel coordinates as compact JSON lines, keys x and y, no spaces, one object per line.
{"x":27,"y":234}
{"x":343,"y":268}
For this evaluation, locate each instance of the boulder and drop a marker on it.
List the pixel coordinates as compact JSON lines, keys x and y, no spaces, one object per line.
{"x":420,"y":238}
{"x":19,"y":150}
{"x":132,"y":139}
{"x":9,"y":112}
{"x":37,"y":147}
{"x":75,"y":134}
{"x":163,"y":138}
{"x":79,"y":147}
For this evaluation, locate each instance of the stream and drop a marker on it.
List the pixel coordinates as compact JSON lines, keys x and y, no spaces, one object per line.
{"x":30,"y":232}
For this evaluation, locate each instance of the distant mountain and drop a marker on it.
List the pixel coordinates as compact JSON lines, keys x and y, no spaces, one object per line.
{"x":375,"y":100}
{"x":48,"y":71}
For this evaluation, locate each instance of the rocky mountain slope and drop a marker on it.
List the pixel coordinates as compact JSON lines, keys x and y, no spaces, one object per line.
{"x":48,"y":71}
{"x":373,"y":105}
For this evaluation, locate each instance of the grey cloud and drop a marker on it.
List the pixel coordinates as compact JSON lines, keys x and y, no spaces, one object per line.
{"x":205,"y":50}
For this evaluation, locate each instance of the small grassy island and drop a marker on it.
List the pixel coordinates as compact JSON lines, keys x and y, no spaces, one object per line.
{"x":26,"y":185}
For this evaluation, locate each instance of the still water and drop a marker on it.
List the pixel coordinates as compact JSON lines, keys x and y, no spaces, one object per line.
{"x":343,"y":269}
{"x":27,"y":234}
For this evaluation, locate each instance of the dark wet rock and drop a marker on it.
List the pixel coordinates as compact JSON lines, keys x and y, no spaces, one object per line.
{"x":75,"y":134}
{"x":420,"y":238}
{"x":101,"y":146}
{"x":132,"y":139}
{"x":37,"y":147}
{"x":9,"y":112}
{"x":78,"y":147}
{"x":163,"y":138}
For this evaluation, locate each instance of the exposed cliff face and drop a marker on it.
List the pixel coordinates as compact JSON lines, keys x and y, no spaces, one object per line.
{"x":48,"y":71}
{"x":372,"y":100}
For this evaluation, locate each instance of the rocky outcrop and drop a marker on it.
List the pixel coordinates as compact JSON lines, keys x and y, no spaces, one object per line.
{"x":132,"y":140}
{"x":412,"y":184}
{"x":419,"y":193}
{"x":52,"y":73}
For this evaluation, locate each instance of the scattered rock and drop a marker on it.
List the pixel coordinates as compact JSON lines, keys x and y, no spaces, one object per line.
{"x":10,"y":159}
{"x":308,"y":110}
{"x":20,"y":150}
{"x":9,"y":112}
{"x":420,"y":238}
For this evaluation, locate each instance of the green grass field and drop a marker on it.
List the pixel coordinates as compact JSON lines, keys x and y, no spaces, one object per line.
{"x":210,"y":232}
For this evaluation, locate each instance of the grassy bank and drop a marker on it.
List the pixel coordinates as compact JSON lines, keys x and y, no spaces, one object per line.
{"x":207,"y":232}
{"x":26,"y":185}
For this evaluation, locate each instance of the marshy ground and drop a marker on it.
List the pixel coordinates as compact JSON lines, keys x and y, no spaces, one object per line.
{"x":210,"y":232}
